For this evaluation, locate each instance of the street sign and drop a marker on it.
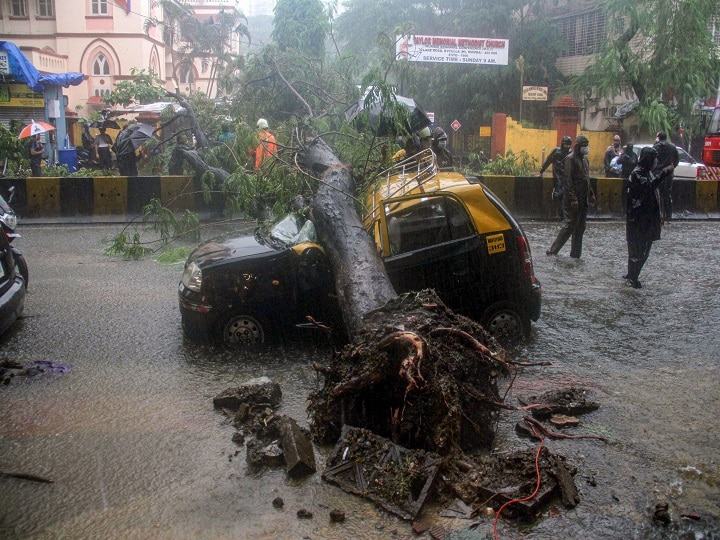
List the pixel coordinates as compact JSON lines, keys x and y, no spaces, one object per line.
{"x":455,"y":125}
{"x":535,"y":93}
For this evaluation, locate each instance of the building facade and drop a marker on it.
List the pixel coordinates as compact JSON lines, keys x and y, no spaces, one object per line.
{"x":103,"y":39}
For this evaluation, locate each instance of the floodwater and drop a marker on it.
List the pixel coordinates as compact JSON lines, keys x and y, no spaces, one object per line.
{"x":135,"y":449}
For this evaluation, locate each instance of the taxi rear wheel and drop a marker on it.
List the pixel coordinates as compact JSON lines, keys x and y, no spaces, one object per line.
{"x":242,"y":330}
{"x":505,"y":323}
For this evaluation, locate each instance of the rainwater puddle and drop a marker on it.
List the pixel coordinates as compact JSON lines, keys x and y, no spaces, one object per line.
{"x":130,"y":437}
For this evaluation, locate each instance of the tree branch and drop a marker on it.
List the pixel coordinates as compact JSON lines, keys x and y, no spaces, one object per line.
{"x":292,"y":89}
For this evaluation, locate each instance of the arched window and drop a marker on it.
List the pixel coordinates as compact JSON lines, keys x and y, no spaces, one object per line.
{"x":187,"y":74}
{"x":101,"y":65}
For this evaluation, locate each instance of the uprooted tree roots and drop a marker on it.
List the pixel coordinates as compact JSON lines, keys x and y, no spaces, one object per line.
{"x":416,"y":373}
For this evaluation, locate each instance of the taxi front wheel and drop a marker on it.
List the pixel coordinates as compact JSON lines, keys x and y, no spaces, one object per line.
{"x":242,"y":330}
{"x":505,"y":322}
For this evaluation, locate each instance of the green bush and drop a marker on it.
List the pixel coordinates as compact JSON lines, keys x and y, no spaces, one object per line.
{"x":512,"y":164}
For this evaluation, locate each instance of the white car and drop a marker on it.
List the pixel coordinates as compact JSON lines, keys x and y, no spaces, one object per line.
{"x":687,"y":169}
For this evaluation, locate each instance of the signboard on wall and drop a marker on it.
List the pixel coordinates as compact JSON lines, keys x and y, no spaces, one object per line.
{"x":20,"y":95}
{"x":4,"y":63}
{"x":535,"y":93}
{"x":454,"y":50}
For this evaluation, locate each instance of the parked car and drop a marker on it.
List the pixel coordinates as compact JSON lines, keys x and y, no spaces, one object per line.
{"x":687,"y":169}
{"x":434,"y":229}
{"x":12,"y":287}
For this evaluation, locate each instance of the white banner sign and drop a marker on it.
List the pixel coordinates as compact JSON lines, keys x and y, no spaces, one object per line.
{"x":535,"y":93}
{"x":455,"y":50}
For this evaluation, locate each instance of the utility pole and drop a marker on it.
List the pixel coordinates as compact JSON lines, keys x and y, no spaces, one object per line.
{"x":520,"y":65}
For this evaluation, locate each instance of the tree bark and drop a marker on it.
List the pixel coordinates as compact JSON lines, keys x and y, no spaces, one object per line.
{"x":361,"y":282}
{"x":197,"y":163}
{"x":200,"y":139}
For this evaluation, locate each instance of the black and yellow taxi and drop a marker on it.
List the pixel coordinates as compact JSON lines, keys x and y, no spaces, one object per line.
{"x":442,"y":230}
{"x":432,"y":228}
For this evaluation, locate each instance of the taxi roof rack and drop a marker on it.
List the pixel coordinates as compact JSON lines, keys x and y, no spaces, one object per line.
{"x":417,"y":169}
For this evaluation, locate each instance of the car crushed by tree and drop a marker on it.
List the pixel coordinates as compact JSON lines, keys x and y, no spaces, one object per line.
{"x":433,"y":229}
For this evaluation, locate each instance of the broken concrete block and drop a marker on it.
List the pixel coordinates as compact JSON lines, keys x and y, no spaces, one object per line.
{"x":261,"y":390}
{"x":273,"y":455}
{"x":299,"y":451}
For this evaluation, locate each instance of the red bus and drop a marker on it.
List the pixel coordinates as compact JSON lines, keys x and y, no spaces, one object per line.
{"x":711,"y":148}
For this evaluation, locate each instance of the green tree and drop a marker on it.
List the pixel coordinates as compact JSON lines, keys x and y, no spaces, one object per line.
{"x":210,"y":42}
{"x":302,"y":25}
{"x":173,"y":15}
{"x":145,"y":87}
{"x":661,"y":50}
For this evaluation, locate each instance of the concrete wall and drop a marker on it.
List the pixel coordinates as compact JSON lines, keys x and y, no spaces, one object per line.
{"x":124,"y":197}
{"x":530,"y":197}
{"x":517,"y":138}
{"x":119,"y":196}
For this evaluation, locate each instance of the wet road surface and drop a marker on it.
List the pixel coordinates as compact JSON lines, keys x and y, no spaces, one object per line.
{"x":135,"y":449}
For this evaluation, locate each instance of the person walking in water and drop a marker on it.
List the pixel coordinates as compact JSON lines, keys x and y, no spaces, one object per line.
{"x":556,"y":158}
{"x":642,"y":225}
{"x":577,"y":196}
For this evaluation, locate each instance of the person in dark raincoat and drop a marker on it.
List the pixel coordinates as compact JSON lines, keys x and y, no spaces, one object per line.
{"x":177,"y":158}
{"x":627,"y":162}
{"x":577,"y":196}
{"x":643,"y":212}
{"x":556,"y":158}
{"x":127,"y":159}
{"x":668,"y":158}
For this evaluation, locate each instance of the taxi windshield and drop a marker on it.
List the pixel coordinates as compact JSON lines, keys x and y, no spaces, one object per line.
{"x":291,"y":231}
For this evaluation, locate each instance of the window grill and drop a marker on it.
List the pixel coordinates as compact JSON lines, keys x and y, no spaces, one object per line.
{"x":715,"y":29}
{"x":584,"y":32}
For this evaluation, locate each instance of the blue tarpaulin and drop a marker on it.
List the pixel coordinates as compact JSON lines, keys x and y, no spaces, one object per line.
{"x":23,"y":71}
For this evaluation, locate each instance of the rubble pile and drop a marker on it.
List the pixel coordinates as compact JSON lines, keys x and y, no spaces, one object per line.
{"x":418,"y":374}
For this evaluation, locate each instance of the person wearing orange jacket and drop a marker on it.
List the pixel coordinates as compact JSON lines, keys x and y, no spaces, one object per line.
{"x":267,"y":146}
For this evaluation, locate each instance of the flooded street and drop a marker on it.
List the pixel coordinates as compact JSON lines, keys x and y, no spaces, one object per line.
{"x":130,"y":437}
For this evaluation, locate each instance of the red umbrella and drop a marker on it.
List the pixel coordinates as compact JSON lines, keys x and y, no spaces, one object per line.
{"x":35,"y":128}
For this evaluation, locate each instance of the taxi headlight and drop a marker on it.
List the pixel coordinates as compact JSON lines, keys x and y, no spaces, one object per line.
{"x":192,"y":277}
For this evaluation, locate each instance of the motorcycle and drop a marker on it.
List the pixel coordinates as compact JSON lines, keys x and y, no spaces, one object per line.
{"x":8,"y":221}
{"x":86,"y":159}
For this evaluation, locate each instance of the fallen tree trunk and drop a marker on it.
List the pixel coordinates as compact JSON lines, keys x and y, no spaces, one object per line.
{"x":361,"y":282}
{"x":200,"y":138}
{"x":198,"y":164}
